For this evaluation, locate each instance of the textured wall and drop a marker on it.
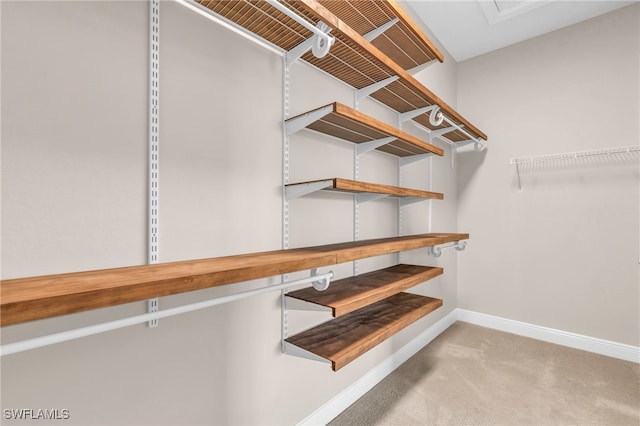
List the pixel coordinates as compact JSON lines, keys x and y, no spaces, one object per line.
{"x":563,"y":253}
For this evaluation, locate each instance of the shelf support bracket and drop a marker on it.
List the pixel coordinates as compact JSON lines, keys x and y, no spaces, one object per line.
{"x":294,"y":350}
{"x":410,"y":200}
{"x":361,"y":148}
{"x":298,"y":123}
{"x":437,"y":251}
{"x":421,"y":67}
{"x":436,"y":133}
{"x":295,"y":191}
{"x":406,"y":116}
{"x":363,"y":198}
{"x":362,"y":93}
{"x":373,"y":34}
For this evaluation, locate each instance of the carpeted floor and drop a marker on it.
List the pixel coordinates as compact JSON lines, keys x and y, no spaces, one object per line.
{"x":473,"y":375}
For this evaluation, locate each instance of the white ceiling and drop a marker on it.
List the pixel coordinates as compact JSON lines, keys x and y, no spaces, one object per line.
{"x":469,"y":28}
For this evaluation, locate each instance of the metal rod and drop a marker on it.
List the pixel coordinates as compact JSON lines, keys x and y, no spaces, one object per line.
{"x":38,"y":342}
{"x":299,"y":19}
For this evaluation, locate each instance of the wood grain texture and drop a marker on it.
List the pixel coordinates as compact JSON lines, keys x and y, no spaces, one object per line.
{"x":353,"y":186}
{"x":343,"y":339}
{"x":404,"y":43}
{"x":351,"y":59}
{"x":352,"y":125}
{"x":33,"y":298}
{"x":352,"y":293}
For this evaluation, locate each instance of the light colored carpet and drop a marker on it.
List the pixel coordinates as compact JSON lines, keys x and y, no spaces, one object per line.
{"x":472,"y":375}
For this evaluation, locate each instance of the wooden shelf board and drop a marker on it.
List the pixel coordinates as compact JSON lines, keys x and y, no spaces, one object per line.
{"x":349,"y":294}
{"x":404,"y":42}
{"x":352,"y":59}
{"x":351,"y":125}
{"x":33,"y":298}
{"x":354,"y":250}
{"x":343,"y":339}
{"x":358,"y":187}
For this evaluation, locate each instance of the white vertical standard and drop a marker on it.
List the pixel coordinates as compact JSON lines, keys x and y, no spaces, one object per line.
{"x":153,"y":196}
{"x":285,"y":202}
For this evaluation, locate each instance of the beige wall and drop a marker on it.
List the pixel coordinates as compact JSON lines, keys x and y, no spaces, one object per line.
{"x":563,"y":253}
{"x":74,"y":80}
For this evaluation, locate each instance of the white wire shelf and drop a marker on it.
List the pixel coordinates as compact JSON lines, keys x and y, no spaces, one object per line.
{"x":618,"y":153}
{"x":576,"y":155}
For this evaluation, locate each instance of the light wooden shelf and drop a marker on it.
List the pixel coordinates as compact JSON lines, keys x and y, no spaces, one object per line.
{"x":357,"y":187}
{"x":352,"y":293}
{"x":352,"y":59}
{"x":33,"y":298}
{"x":343,"y":339}
{"x":403,"y":42}
{"x":346,"y":123}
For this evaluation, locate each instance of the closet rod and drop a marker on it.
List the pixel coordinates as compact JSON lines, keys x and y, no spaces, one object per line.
{"x":64,"y":336}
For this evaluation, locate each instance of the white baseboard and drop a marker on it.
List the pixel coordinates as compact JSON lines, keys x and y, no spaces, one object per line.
{"x":564,"y":338}
{"x":340,"y":402}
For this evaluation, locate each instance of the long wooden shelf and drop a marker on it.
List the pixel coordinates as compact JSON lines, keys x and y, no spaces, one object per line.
{"x":403,"y":42}
{"x":349,"y":294}
{"x":357,"y":187}
{"x":33,"y":298}
{"x":352,"y":59}
{"x":346,"y":123}
{"x":343,"y":339}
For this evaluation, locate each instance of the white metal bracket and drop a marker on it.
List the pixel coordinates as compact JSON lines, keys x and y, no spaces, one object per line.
{"x":437,"y":251}
{"x":363,"y":198}
{"x":294,"y":350}
{"x":303,"y":189}
{"x":406,"y":116}
{"x":410,"y":200}
{"x":361,"y":148}
{"x":298,"y":123}
{"x":373,"y":34}
{"x":421,"y":67}
{"x":362,"y":93}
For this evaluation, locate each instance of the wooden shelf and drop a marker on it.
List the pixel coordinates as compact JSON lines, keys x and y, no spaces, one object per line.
{"x":352,"y":59}
{"x":343,"y":339}
{"x":346,"y":123}
{"x":356,"y":187}
{"x":349,"y":294}
{"x":33,"y":298}
{"x":404,"y":42}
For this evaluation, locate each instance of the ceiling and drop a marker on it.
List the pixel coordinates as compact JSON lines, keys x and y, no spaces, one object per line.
{"x":469,"y":28}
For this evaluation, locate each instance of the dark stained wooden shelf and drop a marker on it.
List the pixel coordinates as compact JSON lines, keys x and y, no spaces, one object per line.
{"x":404,"y":42}
{"x":346,"y":123}
{"x":352,"y":293}
{"x":352,"y":59}
{"x":343,"y":339}
{"x":357,"y":187}
{"x":33,"y":298}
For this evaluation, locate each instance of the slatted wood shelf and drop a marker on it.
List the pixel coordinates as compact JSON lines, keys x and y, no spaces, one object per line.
{"x":349,"y":294}
{"x":346,"y":123}
{"x":352,"y":59}
{"x":343,"y":339}
{"x":33,"y":298}
{"x":403,"y":42}
{"x":357,"y":187}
